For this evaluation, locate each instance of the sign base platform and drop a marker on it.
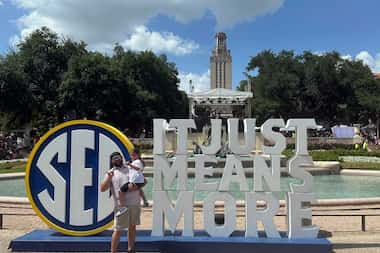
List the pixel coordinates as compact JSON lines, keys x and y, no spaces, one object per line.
{"x":50,"y":240}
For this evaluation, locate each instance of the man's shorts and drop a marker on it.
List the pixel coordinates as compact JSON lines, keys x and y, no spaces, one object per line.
{"x":129,"y":218}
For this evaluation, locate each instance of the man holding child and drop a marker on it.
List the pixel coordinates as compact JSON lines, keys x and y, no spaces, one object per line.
{"x":125,"y":181}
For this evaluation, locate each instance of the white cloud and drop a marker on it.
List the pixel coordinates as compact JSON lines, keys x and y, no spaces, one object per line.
{"x":319,"y":53}
{"x":143,"y":39}
{"x":13,"y":41}
{"x":201,"y":82}
{"x":103,"y":23}
{"x":372,"y":61}
{"x":346,"y":57}
{"x":365,"y":57}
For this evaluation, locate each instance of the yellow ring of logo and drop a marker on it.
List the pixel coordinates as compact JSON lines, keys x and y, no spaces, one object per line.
{"x":123,"y":139}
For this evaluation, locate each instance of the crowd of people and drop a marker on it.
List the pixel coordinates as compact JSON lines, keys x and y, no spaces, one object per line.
{"x":11,"y":146}
{"x":142,"y":134}
{"x":16,"y":145}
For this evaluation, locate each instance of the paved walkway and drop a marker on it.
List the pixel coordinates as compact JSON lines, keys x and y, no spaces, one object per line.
{"x":344,"y":232}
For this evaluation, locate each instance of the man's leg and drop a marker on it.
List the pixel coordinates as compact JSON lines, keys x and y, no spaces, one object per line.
{"x":115,"y":240}
{"x":131,"y":237}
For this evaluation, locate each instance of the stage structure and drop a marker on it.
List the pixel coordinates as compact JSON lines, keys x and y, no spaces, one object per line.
{"x":220,"y":101}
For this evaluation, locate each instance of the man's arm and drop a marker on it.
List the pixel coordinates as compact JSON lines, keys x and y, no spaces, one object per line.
{"x":105,"y":185}
{"x":128,"y":187}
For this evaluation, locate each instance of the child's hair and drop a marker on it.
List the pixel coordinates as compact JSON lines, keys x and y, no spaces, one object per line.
{"x":137,"y":152}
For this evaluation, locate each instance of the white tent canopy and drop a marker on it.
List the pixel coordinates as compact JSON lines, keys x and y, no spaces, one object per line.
{"x":220,"y":96}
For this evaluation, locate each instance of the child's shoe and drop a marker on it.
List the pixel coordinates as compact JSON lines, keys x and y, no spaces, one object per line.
{"x":121,"y":211}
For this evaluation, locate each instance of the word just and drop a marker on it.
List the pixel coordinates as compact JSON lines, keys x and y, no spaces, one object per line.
{"x":297,"y":200}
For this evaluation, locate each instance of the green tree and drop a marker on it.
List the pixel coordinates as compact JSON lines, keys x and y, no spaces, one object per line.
{"x":275,"y":87}
{"x":49,"y":79}
{"x":151,"y":83}
{"x":324,"y":86}
{"x":15,"y":96}
{"x":42,"y":59}
{"x":87,"y":86}
{"x":243,"y":85}
{"x":128,"y":89}
{"x":369,"y":97}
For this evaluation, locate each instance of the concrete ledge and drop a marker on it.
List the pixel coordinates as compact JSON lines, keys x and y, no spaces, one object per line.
{"x":218,"y":172}
{"x":327,"y":164}
{"x":352,"y":172}
{"x":14,"y":200}
{"x":241,"y":203}
{"x":319,"y":202}
{"x":12,"y":175}
{"x":348,"y":201}
{"x":14,"y":160}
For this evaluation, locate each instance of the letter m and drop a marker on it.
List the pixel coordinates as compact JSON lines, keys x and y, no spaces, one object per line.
{"x":163,"y":207}
{"x":166,"y":173}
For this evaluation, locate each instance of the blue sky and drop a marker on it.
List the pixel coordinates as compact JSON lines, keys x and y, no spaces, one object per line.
{"x":184,"y":30}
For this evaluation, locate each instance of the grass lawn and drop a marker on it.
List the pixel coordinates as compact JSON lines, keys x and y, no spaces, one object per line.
{"x":12,"y":167}
{"x":360,"y":166}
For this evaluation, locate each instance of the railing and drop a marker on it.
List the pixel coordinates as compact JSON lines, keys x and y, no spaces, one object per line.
{"x":219,"y":218}
{"x":12,"y":214}
{"x":363,"y":217}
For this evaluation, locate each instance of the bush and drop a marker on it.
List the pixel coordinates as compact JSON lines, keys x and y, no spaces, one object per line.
{"x":360,"y":166}
{"x":330,"y":155}
{"x":325,"y":146}
{"x":12,"y":167}
{"x":288,"y":153}
{"x":333,"y":155}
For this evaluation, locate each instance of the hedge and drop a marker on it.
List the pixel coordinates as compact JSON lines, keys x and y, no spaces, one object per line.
{"x":333,"y":155}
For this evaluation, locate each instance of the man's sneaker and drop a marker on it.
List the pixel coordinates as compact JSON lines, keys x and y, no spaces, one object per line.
{"x":121,"y":211}
{"x":146,"y":204}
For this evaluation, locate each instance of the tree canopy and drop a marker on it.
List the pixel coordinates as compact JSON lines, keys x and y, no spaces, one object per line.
{"x":323,"y":86}
{"x":48,"y":79}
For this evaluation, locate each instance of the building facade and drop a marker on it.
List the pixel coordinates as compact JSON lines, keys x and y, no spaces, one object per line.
{"x":221,"y":63}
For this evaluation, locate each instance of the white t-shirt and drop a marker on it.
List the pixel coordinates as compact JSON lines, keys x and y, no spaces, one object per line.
{"x":121,"y":177}
{"x":138,"y":163}
{"x":136,"y":176}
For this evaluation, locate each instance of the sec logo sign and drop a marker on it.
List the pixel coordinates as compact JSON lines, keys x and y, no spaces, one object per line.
{"x":64,"y":173}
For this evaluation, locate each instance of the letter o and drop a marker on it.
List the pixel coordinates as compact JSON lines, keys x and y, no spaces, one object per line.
{"x":229,"y":225}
